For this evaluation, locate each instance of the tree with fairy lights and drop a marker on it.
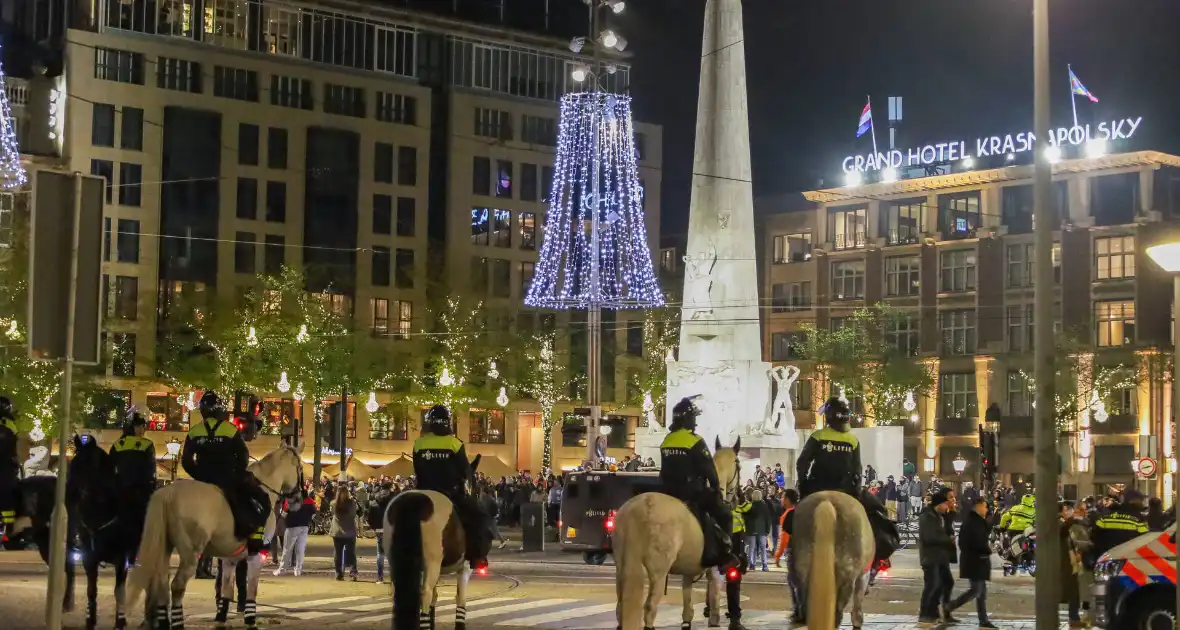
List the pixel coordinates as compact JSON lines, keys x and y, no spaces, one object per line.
{"x":543,"y":376}
{"x":661,"y":337}
{"x":1084,"y":385}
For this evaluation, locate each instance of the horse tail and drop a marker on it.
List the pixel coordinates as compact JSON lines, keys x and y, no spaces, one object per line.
{"x":821,"y":589}
{"x":406,"y":516}
{"x":152,"y":573}
{"x":631,"y":572}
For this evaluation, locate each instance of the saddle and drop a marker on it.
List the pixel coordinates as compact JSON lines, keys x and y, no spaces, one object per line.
{"x":715,"y":539}
{"x":885,"y":533}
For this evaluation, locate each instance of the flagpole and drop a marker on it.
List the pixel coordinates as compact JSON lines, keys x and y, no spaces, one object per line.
{"x":872,"y":127}
{"x":1072,"y":97}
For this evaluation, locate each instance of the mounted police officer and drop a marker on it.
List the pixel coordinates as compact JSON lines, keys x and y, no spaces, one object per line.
{"x":687,"y":472}
{"x":441,"y":464}
{"x":9,"y":466}
{"x":830,"y":461}
{"x":134,"y":460}
{"x":215,"y":452}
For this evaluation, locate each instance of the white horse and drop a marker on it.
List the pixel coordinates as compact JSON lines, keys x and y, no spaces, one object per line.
{"x":193,"y":518}
{"x":656,"y":536}
{"x":832,"y":549}
{"x":430,"y":543}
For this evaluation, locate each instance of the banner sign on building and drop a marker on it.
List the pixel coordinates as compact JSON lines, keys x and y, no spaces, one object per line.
{"x":1076,"y":135}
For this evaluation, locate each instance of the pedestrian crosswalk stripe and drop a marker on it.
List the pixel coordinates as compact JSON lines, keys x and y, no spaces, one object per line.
{"x":321,"y":602}
{"x":560,"y":615}
{"x":441,"y":609}
{"x":524,"y":605}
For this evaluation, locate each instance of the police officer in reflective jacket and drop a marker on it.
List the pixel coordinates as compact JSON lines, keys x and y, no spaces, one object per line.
{"x":134,"y":460}
{"x":688,"y":473}
{"x":216,"y":453}
{"x":440,"y":464}
{"x":1124,"y":522}
{"x":9,"y":465}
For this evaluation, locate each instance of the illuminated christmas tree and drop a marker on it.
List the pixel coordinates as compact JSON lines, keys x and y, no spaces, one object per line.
{"x":595,"y":249}
{"x":12,"y":173}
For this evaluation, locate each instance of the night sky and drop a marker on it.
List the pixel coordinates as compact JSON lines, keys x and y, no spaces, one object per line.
{"x":964,"y":68}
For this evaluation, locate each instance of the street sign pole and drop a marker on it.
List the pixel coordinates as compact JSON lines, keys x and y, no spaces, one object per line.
{"x":57,"y":530}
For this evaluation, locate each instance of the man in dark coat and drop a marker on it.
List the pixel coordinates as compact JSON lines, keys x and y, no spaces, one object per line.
{"x":975,"y":564}
{"x":936,"y":548}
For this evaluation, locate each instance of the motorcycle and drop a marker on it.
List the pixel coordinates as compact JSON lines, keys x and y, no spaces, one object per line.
{"x":1017,"y":552}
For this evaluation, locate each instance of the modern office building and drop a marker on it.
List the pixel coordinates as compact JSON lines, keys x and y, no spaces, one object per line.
{"x":376,"y":147}
{"x":954,"y":253}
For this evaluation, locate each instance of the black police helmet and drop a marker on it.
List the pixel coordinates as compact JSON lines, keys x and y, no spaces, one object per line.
{"x":7,"y":411}
{"x":836,"y":414}
{"x":684,"y":414}
{"x":211,"y":405}
{"x":438,"y":419}
{"x":134,"y":420}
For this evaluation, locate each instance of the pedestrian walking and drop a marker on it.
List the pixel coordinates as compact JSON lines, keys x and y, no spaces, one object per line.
{"x":489,"y":505}
{"x":297,"y":519}
{"x":936,"y":547}
{"x":343,"y":533}
{"x":975,"y":564}
{"x":376,"y":516}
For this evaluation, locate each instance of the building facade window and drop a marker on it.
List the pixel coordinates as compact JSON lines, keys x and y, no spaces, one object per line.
{"x":784,"y":346}
{"x":382,"y":263}
{"x":528,"y":182}
{"x":479,"y":275}
{"x":397,"y":108}
{"x":131,"y":129}
{"x":487,"y":426}
{"x":958,"y":331}
{"x":121,"y":299}
{"x":480,"y":226}
{"x":235,"y":83}
{"x":1022,"y":265}
{"x":957,"y":396}
{"x":247,"y":198}
{"x":127,"y":241}
{"x":102,"y":125}
{"x":244,"y":246}
{"x":847,"y":227}
{"x":383,"y":163}
{"x":8,"y":212}
{"x":406,"y":214}
{"x":273,"y":255}
{"x":380,"y":311}
{"x":1019,"y":396}
{"x":276,"y":148}
{"x":902,"y":275}
{"x":848,"y":280}
{"x":178,"y":74}
{"x":504,"y":179}
{"x":501,"y":278}
{"x":538,"y":130}
{"x":901,"y":333}
{"x":1020,"y":327}
{"x":123,"y":354}
{"x":493,"y":123}
{"x":481,"y":176}
{"x":276,"y":202}
{"x":790,"y":296}
{"x":959,"y":214}
{"x":106,"y":170}
{"x":403,"y":277}
{"x":1114,"y":257}
{"x":290,"y":92}
{"x":958,"y":270}
{"x":407,"y":166}
{"x":528,"y":231}
{"x":527,"y":270}
{"x":404,"y":311}
{"x":248,"y":144}
{"x":790,"y":248}
{"x":501,"y":228}
{"x":344,"y":100}
{"x":123,"y":66}
{"x":382,"y":214}
{"x":901,"y":221}
{"x":1115,"y":320}
{"x":130,"y":184}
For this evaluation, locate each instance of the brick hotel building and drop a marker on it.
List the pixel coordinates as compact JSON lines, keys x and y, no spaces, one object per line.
{"x":954,"y":253}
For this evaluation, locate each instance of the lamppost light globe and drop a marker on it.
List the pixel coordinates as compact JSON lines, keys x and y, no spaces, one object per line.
{"x":1166,"y":255}
{"x":604,"y":429}
{"x":959,"y":463}
{"x":173,"y":447}
{"x":914,"y":417}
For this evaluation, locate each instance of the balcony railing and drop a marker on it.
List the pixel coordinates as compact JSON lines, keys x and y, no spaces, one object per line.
{"x":903,"y":237}
{"x":956,"y":426}
{"x":855,"y":240}
{"x":17,"y":91}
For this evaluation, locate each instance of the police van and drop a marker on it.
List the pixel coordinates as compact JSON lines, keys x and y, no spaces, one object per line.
{"x":1135,"y":584}
{"x":588,"y":503}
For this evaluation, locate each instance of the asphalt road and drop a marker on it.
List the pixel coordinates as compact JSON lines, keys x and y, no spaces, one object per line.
{"x":543,"y":590}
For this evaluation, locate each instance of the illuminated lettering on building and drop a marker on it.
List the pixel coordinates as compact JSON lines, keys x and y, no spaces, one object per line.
{"x":1077,"y":135}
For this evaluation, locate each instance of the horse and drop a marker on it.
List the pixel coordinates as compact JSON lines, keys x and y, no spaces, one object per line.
{"x":104,"y":535}
{"x":832,"y":549}
{"x":430,"y":543}
{"x":656,"y":535}
{"x":192,"y":518}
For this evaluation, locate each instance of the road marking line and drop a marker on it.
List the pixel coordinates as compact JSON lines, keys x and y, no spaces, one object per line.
{"x":524,"y":605}
{"x":440,"y":609}
{"x":562,"y":615}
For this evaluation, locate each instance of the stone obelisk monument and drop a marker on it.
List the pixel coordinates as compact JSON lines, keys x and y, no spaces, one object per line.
{"x":720,"y":356}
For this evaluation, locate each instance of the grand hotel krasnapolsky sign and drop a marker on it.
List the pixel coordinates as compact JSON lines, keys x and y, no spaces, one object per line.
{"x":992,"y":145}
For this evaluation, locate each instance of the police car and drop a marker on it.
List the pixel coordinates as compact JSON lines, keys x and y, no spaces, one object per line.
{"x":1135,"y":584}
{"x":588,"y":503}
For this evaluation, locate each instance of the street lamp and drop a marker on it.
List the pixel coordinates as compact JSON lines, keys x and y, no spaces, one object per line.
{"x":1167,"y":256}
{"x":173,"y":447}
{"x":960,"y":464}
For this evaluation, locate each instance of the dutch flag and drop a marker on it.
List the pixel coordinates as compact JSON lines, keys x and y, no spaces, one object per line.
{"x":866,"y":121}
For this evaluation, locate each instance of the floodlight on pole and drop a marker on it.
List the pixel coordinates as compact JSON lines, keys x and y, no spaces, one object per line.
{"x":576,"y":44}
{"x":608,"y":38}
{"x":620,"y":43}
{"x":1096,"y":148}
{"x":1053,"y":154}
{"x":852,"y":179}
{"x":579,"y":73}
{"x":616,"y":5}
{"x":889,"y":175}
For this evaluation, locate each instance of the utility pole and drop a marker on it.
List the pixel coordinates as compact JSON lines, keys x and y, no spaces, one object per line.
{"x":1047,"y":460}
{"x":342,"y":434}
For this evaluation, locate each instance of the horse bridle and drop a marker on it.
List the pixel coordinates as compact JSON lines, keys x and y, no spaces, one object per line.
{"x":279,"y":493}
{"x":731,"y":496}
